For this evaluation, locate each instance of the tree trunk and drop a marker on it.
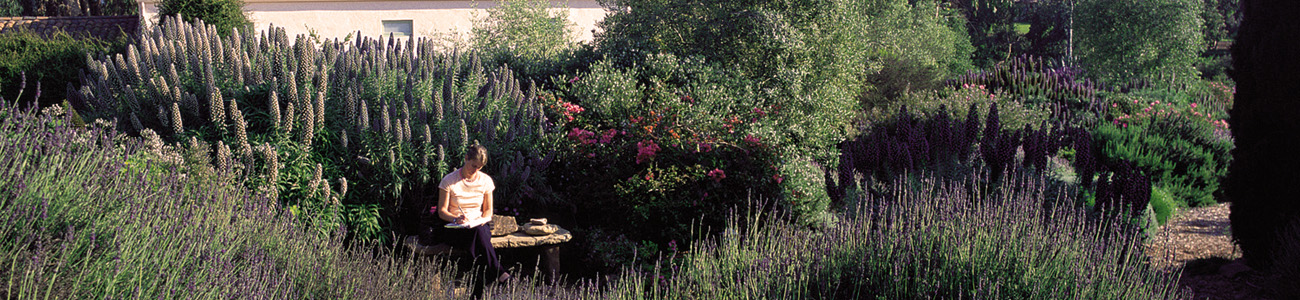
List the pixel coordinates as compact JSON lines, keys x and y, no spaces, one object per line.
{"x":1264,"y":178}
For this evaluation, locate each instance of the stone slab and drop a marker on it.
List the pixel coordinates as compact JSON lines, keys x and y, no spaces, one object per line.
{"x":520,"y":239}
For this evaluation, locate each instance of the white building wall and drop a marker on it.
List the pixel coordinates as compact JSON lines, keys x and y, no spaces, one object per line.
{"x":430,"y":18}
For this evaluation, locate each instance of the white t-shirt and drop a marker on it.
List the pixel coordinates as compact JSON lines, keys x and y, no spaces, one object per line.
{"x":467,"y":196}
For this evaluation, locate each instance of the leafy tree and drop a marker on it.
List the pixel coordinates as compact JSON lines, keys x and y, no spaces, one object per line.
{"x":1262,"y":181}
{"x":1222,"y":17}
{"x":808,"y":55}
{"x":989,"y":24}
{"x":55,"y":8}
{"x":10,"y":8}
{"x":1049,"y":29}
{"x":1120,"y":41}
{"x":532,"y":37}
{"x":225,"y":14}
{"x":524,"y":28}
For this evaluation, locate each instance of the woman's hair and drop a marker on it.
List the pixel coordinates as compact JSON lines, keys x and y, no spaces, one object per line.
{"x":477,"y":153}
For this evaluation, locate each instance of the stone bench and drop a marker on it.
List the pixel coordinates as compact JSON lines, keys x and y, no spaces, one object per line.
{"x":547,"y":245}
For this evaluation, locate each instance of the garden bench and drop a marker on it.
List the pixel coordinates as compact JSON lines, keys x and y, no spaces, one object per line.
{"x":548,"y":246}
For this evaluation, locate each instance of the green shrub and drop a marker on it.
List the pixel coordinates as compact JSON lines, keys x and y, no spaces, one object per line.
{"x":1121,"y":41}
{"x":226,"y":15}
{"x":804,"y":191}
{"x":1180,"y":146}
{"x":897,"y":78}
{"x":52,"y":61}
{"x":530,"y":29}
{"x":1214,"y":67}
{"x":1163,"y":204}
{"x":909,"y":47}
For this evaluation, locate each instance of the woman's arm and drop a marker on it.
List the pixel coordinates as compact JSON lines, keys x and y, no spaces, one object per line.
{"x":444,"y":207}
{"x":487,"y":205}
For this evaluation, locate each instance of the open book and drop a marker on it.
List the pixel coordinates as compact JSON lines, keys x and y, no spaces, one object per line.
{"x":469,"y":224}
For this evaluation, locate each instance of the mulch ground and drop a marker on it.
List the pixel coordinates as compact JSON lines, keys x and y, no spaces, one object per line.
{"x":1198,"y":244}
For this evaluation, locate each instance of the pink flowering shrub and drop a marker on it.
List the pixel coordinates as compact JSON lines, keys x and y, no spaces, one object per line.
{"x":659,"y":159}
{"x":645,"y":151}
{"x":1183,"y":143}
{"x":717,"y":175}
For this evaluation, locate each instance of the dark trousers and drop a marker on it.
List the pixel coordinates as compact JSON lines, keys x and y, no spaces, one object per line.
{"x":478,"y":240}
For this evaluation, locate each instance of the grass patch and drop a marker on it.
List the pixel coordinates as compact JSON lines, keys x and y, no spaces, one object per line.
{"x":1021,"y":28}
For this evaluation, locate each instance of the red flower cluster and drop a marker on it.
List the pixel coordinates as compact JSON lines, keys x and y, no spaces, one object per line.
{"x":645,"y":151}
{"x":705,"y":147}
{"x":570,"y":110}
{"x":608,"y":136}
{"x":582,"y":136}
{"x":717,"y":175}
{"x":1156,"y":109}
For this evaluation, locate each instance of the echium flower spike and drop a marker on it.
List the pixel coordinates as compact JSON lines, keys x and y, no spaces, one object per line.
{"x":441,"y":157}
{"x":177,"y":125}
{"x":385,"y":122}
{"x":392,"y":159}
{"x":195,"y":147}
{"x":241,"y":128}
{"x":320,"y":109}
{"x":272,"y":163}
{"x":216,"y":103}
{"x":399,"y":132}
{"x":406,"y":121}
{"x":349,"y":105}
{"x":327,"y":193}
{"x":464,"y":137}
{"x":308,"y":123}
{"x":291,"y":87}
{"x":343,"y":187}
{"x":290,"y":115}
{"x":437,"y":106}
{"x":135,"y":123}
{"x":223,"y":157}
{"x":342,"y":138}
{"x":364,"y":115}
{"x":427,"y":136}
{"x":273,"y":106}
{"x":172,"y":75}
{"x":314,"y":185}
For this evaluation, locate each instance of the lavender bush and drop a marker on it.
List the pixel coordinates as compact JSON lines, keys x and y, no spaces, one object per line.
{"x":389,"y":115}
{"x":93,"y":214}
{"x":96,"y":214}
{"x":932,"y":240}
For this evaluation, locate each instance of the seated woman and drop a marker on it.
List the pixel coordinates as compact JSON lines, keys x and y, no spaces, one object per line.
{"x":465,"y":204}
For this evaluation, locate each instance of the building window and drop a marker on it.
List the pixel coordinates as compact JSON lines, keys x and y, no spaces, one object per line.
{"x":398,"y":28}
